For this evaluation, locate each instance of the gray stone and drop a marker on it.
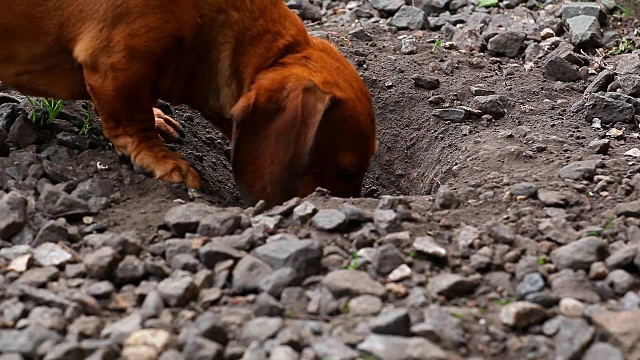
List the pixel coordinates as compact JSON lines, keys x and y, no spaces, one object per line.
{"x":48,"y":317}
{"x":177,"y":291}
{"x":294,"y":300}
{"x":267,"y":305}
{"x":213,"y":253}
{"x":507,"y":43}
{"x":355,"y":214}
{"x":333,"y":348}
{"x":428,"y":245}
{"x":401,"y":348}
{"x":329,"y":220}
{"x":38,"y":276}
{"x":53,"y":231}
{"x":178,"y":246}
{"x":427,"y":83}
{"x":101,"y":263}
{"x":392,"y":322}
{"x":220,"y":223}
{"x":567,"y":283}
{"x":42,"y":296}
{"x":303,"y":256}
{"x":15,"y":251}
{"x":186,"y":218}
{"x":99,"y":289}
{"x":125,"y":243}
{"x":284,"y":209}
{"x":309,"y":11}
{"x":120,"y":330}
{"x":130,"y":270}
{"x":626,"y":98}
{"x":260,"y":329}
{"x":409,"y":46}
{"x":365,"y":305}
{"x":56,"y":172}
{"x":450,"y":285}
{"x":321,"y":302}
{"x":542,"y":298}
{"x":600,"y":146}
{"x":92,"y":188}
{"x":275,"y":282}
{"x":557,"y":68}
{"x":630,"y":301}
{"x":575,"y":9}
{"x":49,"y":254}
{"x":281,"y":352}
{"x":387,"y":6}
{"x":361,"y":34}
{"x":522,"y":314}
{"x":26,"y":341}
{"x":454,"y":115}
{"x":464,"y":238}
{"x":622,"y":257}
{"x":199,"y":348}
{"x":580,"y":254}
{"x":526,"y":189}
{"x":186,"y":262}
{"x":559,"y":230}
{"x":352,"y":283}
{"x":585,"y":31}
{"x":446,"y":198}
{"x":248,"y":273}
{"x":13,"y":214}
{"x":386,"y":259}
{"x":57,"y":203}
{"x":572,"y":338}
{"x":209,"y":326}
{"x":627,"y":85}
{"x":440,"y":327}
{"x":152,"y":305}
{"x":409,"y":18}
{"x":494,"y":105}
{"x":601,"y":82}
{"x":23,"y":132}
{"x":608,"y":110}
{"x":66,"y":351}
{"x":303,"y":212}
{"x":387,"y":221}
{"x":255,"y":351}
{"x":601,"y":351}
{"x":620,"y":281}
{"x":531,"y":283}
{"x":500,"y":232}
{"x":579,"y":170}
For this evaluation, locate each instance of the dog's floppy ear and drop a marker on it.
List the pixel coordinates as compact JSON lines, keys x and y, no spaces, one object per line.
{"x":273,"y":133}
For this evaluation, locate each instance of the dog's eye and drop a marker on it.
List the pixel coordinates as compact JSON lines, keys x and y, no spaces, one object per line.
{"x":346,"y":175}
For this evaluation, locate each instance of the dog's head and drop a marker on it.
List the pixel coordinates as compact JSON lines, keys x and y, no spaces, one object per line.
{"x":306,"y":122}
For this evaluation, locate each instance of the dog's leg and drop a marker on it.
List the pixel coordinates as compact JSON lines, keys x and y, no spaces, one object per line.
{"x":168,"y":128}
{"x":125,"y":103}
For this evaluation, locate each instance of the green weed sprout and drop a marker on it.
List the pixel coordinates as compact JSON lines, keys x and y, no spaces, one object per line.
{"x":52,"y":106}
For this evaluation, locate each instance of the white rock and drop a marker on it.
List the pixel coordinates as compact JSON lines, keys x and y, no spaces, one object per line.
{"x":572,"y":307}
{"x":400,"y":273}
{"x":635,"y":152}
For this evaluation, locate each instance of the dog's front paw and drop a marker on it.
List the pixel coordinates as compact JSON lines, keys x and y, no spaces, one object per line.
{"x":168,"y":128}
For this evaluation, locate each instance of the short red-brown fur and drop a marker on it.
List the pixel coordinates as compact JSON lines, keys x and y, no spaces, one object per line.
{"x":294,"y":108}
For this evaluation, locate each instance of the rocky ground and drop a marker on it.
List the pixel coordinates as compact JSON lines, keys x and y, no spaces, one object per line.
{"x":501,"y":217}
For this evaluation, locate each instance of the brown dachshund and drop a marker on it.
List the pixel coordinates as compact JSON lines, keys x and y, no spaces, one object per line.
{"x":295,"y":110}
